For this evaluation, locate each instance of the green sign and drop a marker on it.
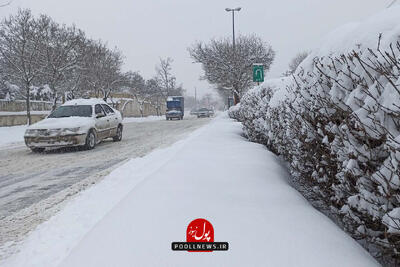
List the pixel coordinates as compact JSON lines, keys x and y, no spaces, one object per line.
{"x":258,"y":73}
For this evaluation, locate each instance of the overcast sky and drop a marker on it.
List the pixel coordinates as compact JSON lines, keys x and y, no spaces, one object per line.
{"x":148,"y":29}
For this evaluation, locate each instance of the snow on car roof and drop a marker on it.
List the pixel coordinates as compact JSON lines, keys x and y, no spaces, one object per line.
{"x":90,"y":101}
{"x":171,"y":98}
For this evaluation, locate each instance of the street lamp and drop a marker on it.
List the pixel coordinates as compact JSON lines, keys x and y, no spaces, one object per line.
{"x":233,"y":45}
{"x":233,"y":22}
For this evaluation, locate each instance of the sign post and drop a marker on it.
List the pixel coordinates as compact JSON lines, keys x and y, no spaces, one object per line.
{"x":258,"y":73}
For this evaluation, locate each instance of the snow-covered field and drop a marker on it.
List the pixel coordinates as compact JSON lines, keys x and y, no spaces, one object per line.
{"x":133,"y":215}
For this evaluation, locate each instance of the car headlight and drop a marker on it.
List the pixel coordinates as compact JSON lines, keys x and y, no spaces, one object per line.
{"x":30,"y":132}
{"x":70,"y":130}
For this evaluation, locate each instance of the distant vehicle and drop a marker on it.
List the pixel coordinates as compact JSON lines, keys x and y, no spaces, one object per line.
{"x":211,"y":111}
{"x":203,"y":112}
{"x":80,"y":122}
{"x":175,"y":108}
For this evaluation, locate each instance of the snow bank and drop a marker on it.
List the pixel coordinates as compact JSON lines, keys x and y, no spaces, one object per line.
{"x":12,"y":135}
{"x":131,"y":218}
{"x":143,"y":119}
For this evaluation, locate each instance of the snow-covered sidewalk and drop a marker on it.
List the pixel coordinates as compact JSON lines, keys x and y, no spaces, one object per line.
{"x":133,"y":215}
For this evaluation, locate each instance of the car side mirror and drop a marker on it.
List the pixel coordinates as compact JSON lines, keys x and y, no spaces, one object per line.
{"x":99,"y":115}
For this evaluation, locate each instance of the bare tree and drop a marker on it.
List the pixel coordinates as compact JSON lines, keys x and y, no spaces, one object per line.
{"x":230,"y":69}
{"x":155,"y":94}
{"x":165,"y":79}
{"x":20,"y":41}
{"x":102,"y":69}
{"x":112,"y":73}
{"x":295,"y":62}
{"x":135,"y":83}
{"x":62,"y":53}
{"x":42,"y":59}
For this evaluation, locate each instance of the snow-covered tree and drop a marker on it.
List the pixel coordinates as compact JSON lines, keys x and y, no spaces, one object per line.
{"x":62,"y":51}
{"x":166,"y":80}
{"x":231,"y":69}
{"x":102,"y":69}
{"x":20,"y":42}
{"x":43,"y":59}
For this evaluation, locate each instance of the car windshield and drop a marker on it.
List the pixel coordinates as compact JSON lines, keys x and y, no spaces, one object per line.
{"x":72,"y":111}
{"x":203,"y":109}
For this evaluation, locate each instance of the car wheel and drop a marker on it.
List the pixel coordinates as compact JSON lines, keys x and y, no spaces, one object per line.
{"x":37,"y":149}
{"x":118,"y":137}
{"x":90,"y":140}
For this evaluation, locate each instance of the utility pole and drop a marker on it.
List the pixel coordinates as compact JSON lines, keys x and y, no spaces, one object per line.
{"x":195,"y":98}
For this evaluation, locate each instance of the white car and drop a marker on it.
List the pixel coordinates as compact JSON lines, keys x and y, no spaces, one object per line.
{"x":203,"y":112}
{"x":80,"y":122}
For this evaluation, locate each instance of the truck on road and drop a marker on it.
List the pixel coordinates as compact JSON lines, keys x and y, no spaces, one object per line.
{"x":175,"y":108}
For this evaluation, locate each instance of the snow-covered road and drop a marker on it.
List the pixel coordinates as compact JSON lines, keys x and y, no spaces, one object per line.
{"x":34,"y":186}
{"x":131,"y":217}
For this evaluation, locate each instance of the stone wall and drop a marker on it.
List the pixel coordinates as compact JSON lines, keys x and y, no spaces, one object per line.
{"x":20,"y":105}
{"x":13,"y":120}
{"x":131,"y":108}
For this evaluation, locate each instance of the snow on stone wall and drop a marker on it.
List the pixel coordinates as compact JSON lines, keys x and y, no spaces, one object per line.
{"x":20,"y":105}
